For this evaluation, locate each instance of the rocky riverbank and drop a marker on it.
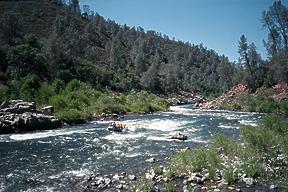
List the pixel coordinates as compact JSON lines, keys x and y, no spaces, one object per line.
{"x":157,"y":178}
{"x":19,"y":116}
{"x":233,"y":100}
{"x":230,"y":97}
{"x":185,"y":98}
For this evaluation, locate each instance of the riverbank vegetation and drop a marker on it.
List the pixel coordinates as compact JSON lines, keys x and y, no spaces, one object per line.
{"x":249,"y":103}
{"x":76,"y":102}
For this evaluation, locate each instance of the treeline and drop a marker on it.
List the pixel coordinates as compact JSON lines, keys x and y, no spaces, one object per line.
{"x":257,"y":72}
{"x":107,"y":55}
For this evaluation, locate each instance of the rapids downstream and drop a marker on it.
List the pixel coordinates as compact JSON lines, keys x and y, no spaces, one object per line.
{"x":56,"y":160}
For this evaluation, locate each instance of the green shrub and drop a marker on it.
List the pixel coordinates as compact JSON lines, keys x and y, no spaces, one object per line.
{"x":199,"y":160}
{"x":229,"y":146}
{"x":225,"y":106}
{"x":283,"y":109}
{"x":180,"y":163}
{"x":229,"y":175}
{"x":44,"y":93}
{"x":29,"y":86}
{"x":143,"y":184}
{"x":71,"y":116}
{"x":266,"y":106}
{"x":157,"y":170}
{"x":59,"y":102}
{"x":185,"y":162}
{"x":275,"y":124}
{"x":3,"y":93}
{"x":170,"y":187}
{"x":213,"y":161}
{"x":252,"y":168}
{"x":258,"y":138}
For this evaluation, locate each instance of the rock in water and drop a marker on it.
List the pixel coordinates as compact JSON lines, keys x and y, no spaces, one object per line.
{"x":179,"y":136}
{"x":18,"y":115}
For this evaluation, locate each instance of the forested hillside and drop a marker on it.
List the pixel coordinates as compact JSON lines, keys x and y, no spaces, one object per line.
{"x":52,"y":39}
{"x":69,"y":45}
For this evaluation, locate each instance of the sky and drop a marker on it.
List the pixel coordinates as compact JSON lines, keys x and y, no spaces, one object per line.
{"x":217,"y":24}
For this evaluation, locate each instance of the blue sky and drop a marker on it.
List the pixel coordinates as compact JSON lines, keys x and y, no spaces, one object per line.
{"x":218,"y":24}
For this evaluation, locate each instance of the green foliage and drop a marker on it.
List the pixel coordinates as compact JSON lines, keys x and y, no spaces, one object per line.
{"x":221,"y":141}
{"x":157,"y":169}
{"x":252,"y":168}
{"x":142,"y":184}
{"x":44,"y":93}
{"x":185,"y":162}
{"x":180,"y":164}
{"x":258,"y":138}
{"x":261,"y":104}
{"x":29,"y":86}
{"x":3,"y":92}
{"x":170,"y":187}
{"x":71,"y":116}
{"x":229,"y":175}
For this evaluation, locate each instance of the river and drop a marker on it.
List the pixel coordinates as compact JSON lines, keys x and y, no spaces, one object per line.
{"x":57,"y":160}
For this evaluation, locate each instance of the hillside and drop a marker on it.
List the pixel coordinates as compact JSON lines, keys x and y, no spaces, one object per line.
{"x":36,"y":17}
{"x":105,"y":54}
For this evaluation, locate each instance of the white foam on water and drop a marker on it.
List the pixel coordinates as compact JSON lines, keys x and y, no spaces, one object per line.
{"x":198,"y":140}
{"x":133,"y":154}
{"x":248,"y":122}
{"x":165,"y":125}
{"x":179,"y":109}
{"x":78,"y":173}
{"x":158,"y":138}
{"x":45,"y":188}
{"x":122,"y":136}
{"x":232,"y":117}
{"x":228,"y":127}
{"x":191,"y":130}
{"x":51,"y":133}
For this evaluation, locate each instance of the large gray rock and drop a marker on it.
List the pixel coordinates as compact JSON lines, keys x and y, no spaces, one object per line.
{"x":179,"y":136}
{"x":48,"y":110}
{"x":18,"y":115}
{"x":17,"y":106}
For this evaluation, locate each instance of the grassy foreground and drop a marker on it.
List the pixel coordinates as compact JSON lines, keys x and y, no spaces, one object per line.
{"x":76,"y":102}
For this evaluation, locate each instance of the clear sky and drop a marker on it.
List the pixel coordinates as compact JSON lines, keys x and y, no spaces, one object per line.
{"x":218,"y":24}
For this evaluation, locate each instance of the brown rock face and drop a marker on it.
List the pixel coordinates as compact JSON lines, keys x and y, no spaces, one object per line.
{"x":225,"y":98}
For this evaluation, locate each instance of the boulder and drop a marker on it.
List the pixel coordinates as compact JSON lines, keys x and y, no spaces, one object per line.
{"x":151,"y":160}
{"x":132,"y":177}
{"x":179,"y":136}
{"x":18,"y":115}
{"x":48,"y":110}
{"x":17,"y":106}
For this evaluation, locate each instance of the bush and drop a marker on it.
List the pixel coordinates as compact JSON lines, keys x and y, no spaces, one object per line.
{"x":29,"y":86}
{"x":185,"y":162}
{"x":143,"y":184}
{"x":71,"y":116}
{"x":229,"y":175}
{"x":266,"y":106}
{"x":229,"y":146}
{"x":180,"y":164}
{"x":44,"y":93}
{"x":157,"y":170}
{"x":170,"y":187}
{"x":252,"y":168}
{"x":258,"y":138}
{"x":3,"y":93}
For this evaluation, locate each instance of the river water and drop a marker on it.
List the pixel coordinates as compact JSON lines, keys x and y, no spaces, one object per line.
{"x":57,"y":160}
